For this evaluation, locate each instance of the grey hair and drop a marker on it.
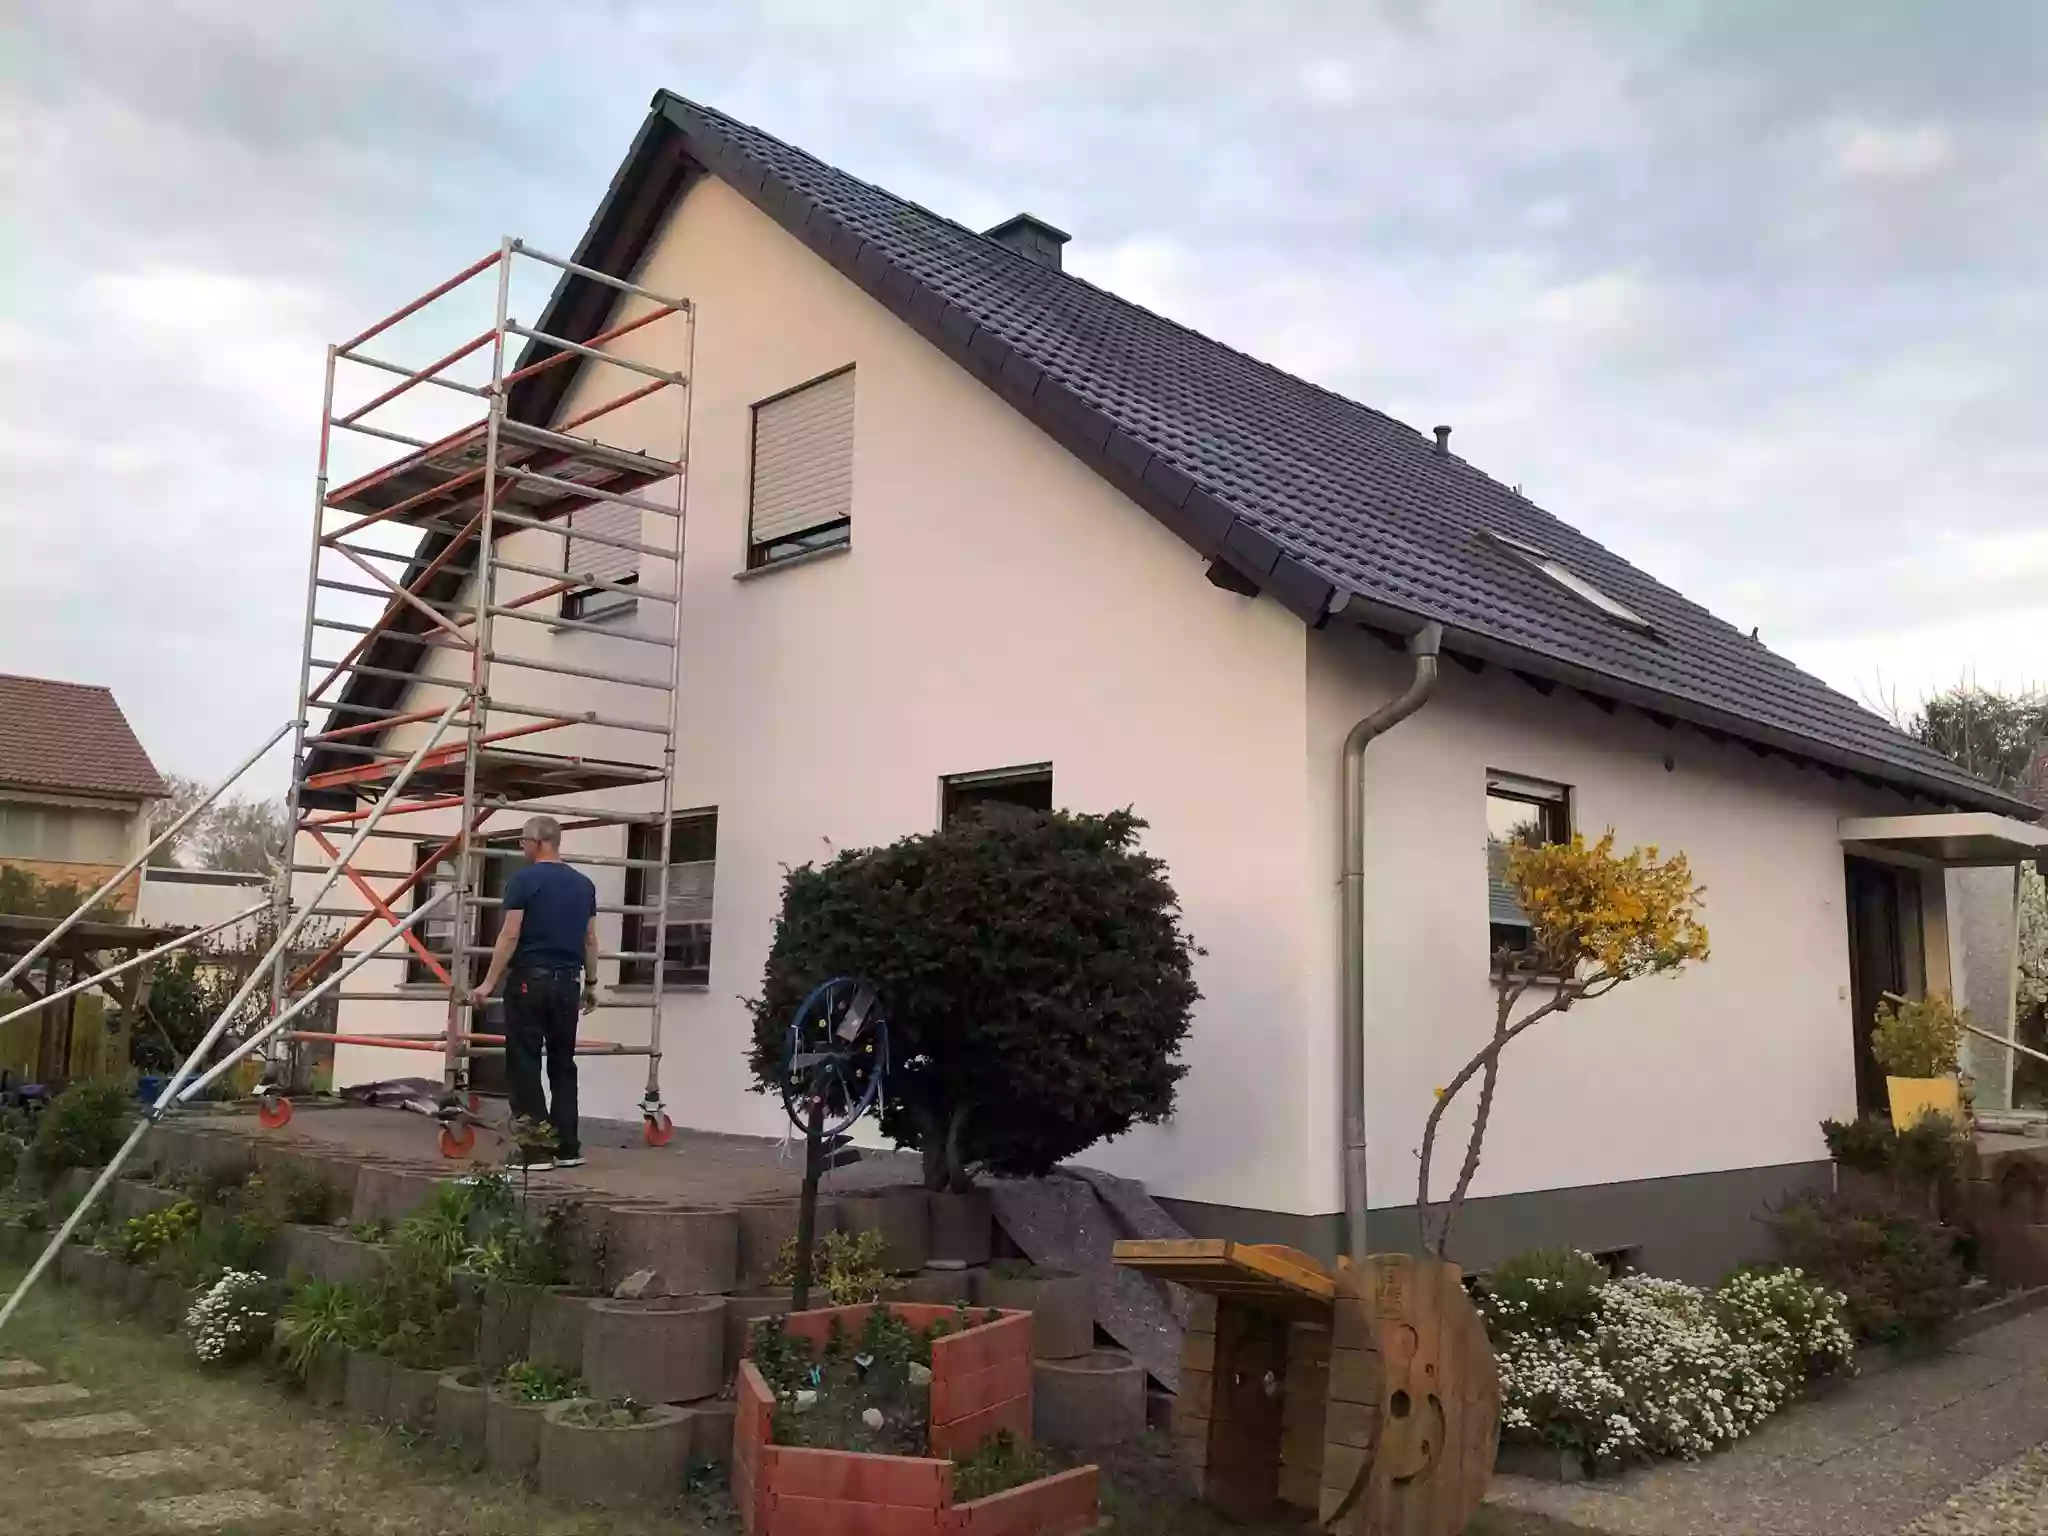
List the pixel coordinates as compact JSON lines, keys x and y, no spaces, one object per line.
{"x":544,"y":830}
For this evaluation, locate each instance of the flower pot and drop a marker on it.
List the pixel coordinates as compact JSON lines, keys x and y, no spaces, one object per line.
{"x":613,"y":1466}
{"x":692,"y":1250}
{"x":512,"y":1436}
{"x":1061,"y":1304}
{"x":366,"y":1389}
{"x":962,"y":1228}
{"x":461,"y":1404}
{"x":411,"y":1394}
{"x":668,"y":1349}
{"x":1914,"y":1098}
{"x":504,"y":1324}
{"x":1096,"y":1399}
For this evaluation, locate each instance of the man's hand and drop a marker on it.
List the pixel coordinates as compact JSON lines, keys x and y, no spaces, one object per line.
{"x":480,"y":993}
{"x":592,"y":996}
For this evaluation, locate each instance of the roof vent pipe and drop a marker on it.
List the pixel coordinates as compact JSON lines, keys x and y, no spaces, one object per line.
{"x":1443,"y":439}
{"x":1423,"y":645}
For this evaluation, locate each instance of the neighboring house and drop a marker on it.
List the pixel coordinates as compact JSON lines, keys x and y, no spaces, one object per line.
{"x":963,"y":526}
{"x":75,"y":785}
{"x":176,"y":897}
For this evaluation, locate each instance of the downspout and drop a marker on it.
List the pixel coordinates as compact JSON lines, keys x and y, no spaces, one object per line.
{"x":1423,"y":645}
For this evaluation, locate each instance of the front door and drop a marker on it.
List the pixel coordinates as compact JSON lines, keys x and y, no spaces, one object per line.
{"x":1884,"y":937}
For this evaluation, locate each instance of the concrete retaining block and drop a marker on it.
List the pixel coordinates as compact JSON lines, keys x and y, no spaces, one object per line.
{"x":766,"y":1226}
{"x":614,"y":1468}
{"x":741,"y":1313}
{"x":504,"y":1324}
{"x":366,"y":1387}
{"x":942,"y":1287}
{"x":389,"y":1191}
{"x":1061,"y":1305}
{"x":1094,"y":1399}
{"x":512,"y":1436}
{"x":711,"y":1424}
{"x":669,"y":1350}
{"x":962,"y":1227}
{"x":327,"y":1377}
{"x":561,"y":1315}
{"x":411,"y":1396}
{"x":693,"y":1251}
{"x":461,"y":1405}
{"x":902,"y":1215}
{"x":169,"y":1301}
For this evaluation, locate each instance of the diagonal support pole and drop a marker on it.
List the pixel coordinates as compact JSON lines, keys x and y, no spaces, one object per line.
{"x":193,"y":937}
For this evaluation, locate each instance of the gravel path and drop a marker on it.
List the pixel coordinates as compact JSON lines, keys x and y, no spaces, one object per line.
{"x":2012,"y":1501}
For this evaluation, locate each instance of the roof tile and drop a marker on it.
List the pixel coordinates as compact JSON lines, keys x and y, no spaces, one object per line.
{"x":70,"y":736}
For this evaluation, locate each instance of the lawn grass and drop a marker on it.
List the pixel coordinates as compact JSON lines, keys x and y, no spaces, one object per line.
{"x":332,"y":1479}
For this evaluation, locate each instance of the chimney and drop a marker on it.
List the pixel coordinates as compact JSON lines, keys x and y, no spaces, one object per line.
{"x":1443,"y":439}
{"x":1031,"y":237}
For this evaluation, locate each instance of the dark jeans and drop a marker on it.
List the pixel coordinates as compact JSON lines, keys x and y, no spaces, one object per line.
{"x":541,"y":1012}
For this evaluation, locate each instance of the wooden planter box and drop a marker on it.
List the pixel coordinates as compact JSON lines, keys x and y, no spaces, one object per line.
{"x":981,"y":1385}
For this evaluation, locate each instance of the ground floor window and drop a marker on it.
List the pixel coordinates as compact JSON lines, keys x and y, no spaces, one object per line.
{"x":692,"y":859}
{"x":1519,"y":813}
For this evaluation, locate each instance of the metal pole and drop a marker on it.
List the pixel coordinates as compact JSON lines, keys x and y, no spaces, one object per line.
{"x":192,"y":937}
{"x":2010,"y":1045}
{"x":140,"y":859}
{"x":142,"y":1126}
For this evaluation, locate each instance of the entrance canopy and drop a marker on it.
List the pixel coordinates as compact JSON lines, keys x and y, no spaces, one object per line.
{"x":1948,"y":840}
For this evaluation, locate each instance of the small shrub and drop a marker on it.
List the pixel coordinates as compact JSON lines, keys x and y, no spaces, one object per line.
{"x":143,"y":1237}
{"x":996,"y":1466}
{"x":2022,"y":1181}
{"x":233,"y":1320}
{"x":845,"y":1266}
{"x":522,"y":1251}
{"x":319,"y":1316}
{"x":1896,"y":1270}
{"x":1930,"y":1153}
{"x":1922,"y":1037}
{"x":1548,"y":1288}
{"x":1802,"y":1327}
{"x":1865,"y":1144}
{"x":526,"y":1382}
{"x":83,"y":1127}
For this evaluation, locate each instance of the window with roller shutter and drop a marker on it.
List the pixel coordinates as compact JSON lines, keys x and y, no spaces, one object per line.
{"x":692,"y":875}
{"x":801,"y":496}
{"x":605,"y":562}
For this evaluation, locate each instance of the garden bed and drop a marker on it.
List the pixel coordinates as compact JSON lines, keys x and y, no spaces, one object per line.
{"x":849,"y":1415}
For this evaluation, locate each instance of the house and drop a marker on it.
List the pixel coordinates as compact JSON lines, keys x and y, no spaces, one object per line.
{"x":963,"y":526}
{"x":76,"y":786}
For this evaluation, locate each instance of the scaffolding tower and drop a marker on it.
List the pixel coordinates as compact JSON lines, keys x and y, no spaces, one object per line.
{"x":440,"y":584}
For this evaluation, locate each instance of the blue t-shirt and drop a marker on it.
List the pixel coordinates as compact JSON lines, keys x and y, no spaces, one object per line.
{"x":558,"y":902}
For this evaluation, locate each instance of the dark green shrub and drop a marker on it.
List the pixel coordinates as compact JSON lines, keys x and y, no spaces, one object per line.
{"x":1034,"y":973}
{"x":1865,"y":1144}
{"x":84,"y":1126}
{"x":1546,"y":1290}
{"x":1897,"y":1270}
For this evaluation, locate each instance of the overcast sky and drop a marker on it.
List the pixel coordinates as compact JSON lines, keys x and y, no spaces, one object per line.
{"x":1751,"y":292}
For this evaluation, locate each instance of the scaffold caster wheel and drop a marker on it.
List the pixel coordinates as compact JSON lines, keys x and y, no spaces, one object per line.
{"x":476,"y":1103}
{"x":274,"y":1112}
{"x":660,"y":1130}
{"x":457,"y":1140}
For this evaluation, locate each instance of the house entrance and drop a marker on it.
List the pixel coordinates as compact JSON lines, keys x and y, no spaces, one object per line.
{"x":1886,"y":954}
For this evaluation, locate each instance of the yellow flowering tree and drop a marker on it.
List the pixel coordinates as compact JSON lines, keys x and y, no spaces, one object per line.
{"x":1597,"y":919}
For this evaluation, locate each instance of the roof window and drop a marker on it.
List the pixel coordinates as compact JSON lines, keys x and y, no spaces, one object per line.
{"x":1572,"y":582}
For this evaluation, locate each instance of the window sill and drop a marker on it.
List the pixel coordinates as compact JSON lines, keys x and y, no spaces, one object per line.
{"x":808,"y":557}
{"x":646,"y":994}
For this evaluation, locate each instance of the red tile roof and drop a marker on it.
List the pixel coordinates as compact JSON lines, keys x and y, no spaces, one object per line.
{"x":70,"y":736}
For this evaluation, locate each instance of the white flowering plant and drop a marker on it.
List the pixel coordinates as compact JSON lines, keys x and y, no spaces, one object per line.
{"x":1634,"y":1368}
{"x":233,"y":1321}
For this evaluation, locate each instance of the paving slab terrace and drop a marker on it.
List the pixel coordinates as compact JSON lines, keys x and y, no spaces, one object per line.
{"x":1870,"y":1458}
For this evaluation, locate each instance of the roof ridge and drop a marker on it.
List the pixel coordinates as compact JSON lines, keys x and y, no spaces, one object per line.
{"x":53,"y":682}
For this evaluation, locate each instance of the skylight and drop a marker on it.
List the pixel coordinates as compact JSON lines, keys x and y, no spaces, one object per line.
{"x":1574,"y":583}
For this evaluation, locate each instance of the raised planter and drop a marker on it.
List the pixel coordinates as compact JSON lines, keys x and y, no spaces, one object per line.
{"x":613,"y":1466}
{"x":692,"y":1250}
{"x":389,"y":1191}
{"x":505,"y":1324}
{"x":962,"y":1227}
{"x":512,"y":1435}
{"x":461,"y":1407}
{"x":789,"y":1490}
{"x":902,"y":1214}
{"x":665,"y":1350}
{"x":1061,"y":1305}
{"x":411,"y":1396}
{"x":766,"y":1226}
{"x":1096,"y":1399}
{"x":366,"y":1388}
{"x":561,"y":1315}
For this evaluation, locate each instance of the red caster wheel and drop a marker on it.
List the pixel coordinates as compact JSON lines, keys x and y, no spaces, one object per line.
{"x":660,"y":1130}
{"x":457,"y":1140}
{"x":274,"y":1113}
{"x":476,"y":1103}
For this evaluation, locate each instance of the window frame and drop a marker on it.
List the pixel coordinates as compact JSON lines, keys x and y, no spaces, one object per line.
{"x":1569,"y":581}
{"x":637,"y":929}
{"x":956,"y":790}
{"x":837,"y":533}
{"x":577,"y":602}
{"x":1557,"y":805}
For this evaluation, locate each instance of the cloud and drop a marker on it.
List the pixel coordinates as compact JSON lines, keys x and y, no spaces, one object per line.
{"x":1749,"y":292}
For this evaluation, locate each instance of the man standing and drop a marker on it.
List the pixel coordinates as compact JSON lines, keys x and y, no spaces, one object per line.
{"x":549,"y":943}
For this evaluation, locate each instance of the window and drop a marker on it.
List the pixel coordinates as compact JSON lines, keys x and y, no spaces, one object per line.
{"x":1573,"y":583}
{"x":1027,"y":789}
{"x":63,"y":834}
{"x":692,"y":871}
{"x":1525,"y":813}
{"x":589,"y":559}
{"x":801,"y":497}
{"x":437,"y":933}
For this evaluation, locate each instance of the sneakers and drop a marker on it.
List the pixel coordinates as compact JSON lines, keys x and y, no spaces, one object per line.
{"x":573,"y":1160}
{"x":523,"y":1161}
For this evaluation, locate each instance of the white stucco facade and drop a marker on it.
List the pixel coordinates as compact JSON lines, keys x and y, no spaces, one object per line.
{"x":1001,"y":605}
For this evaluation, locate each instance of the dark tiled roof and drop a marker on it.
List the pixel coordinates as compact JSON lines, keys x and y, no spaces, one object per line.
{"x":70,"y":736}
{"x":1327,"y":505}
